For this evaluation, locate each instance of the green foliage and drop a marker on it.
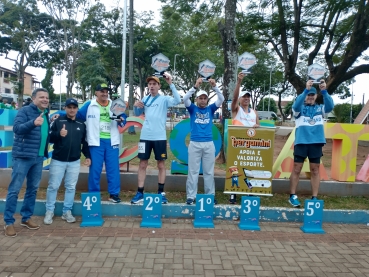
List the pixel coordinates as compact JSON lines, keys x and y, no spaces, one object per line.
{"x":47,"y":82}
{"x":288,"y":108}
{"x":342,"y":112}
{"x":26,"y":31}
{"x":265,"y":101}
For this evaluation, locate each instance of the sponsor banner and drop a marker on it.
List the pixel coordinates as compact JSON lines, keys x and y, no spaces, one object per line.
{"x":249,"y":160}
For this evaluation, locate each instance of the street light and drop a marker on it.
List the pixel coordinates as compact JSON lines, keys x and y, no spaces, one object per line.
{"x":124,"y":43}
{"x":174,"y":66}
{"x":352,"y":99}
{"x":270,"y":86}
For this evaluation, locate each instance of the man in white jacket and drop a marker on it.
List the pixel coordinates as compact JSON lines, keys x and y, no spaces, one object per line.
{"x":103,"y":140}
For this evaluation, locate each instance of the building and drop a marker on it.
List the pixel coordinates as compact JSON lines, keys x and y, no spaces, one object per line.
{"x":7,"y":87}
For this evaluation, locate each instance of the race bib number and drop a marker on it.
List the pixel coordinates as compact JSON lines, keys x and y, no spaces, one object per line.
{"x":105,"y":127}
{"x":141,"y":147}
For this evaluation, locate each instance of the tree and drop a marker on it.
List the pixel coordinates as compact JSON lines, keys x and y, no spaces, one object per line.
{"x":342,"y":112}
{"x":47,"y":82}
{"x":26,"y":31}
{"x":70,"y":29}
{"x":264,"y":104}
{"x":90,"y":72}
{"x":332,"y":32}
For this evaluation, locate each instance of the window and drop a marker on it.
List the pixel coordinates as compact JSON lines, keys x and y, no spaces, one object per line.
{"x":6,"y":77}
{"x":7,"y":90}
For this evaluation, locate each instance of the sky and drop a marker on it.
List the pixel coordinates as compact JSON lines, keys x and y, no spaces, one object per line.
{"x":59,"y":84}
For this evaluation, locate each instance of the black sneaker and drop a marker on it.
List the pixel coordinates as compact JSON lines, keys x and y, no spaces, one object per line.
{"x":190,"y":201}
{"x":114,"y":198}
{"x":232,"y":199}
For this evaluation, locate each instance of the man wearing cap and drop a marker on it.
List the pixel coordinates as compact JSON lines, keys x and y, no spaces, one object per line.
{"x":201,"y":150}
{"x":309,"y":136}
{"x":103,"y":139}
{"x":153,"y":134}
{"x":68,"y":134}
{"x":30,"y":147}
{"x":28,"y":101}
{"x":242,"y":114}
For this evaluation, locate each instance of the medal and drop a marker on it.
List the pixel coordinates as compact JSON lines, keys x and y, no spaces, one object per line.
{"x":312,"y":122}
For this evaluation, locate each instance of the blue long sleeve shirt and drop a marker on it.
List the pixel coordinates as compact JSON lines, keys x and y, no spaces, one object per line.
{"x":310,"y":118}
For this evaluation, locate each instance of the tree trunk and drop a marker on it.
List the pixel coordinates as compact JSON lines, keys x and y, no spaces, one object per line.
{"x":230,"y":51}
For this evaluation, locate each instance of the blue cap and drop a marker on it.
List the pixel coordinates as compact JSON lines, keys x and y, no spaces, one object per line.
{"x":312,"y":91}
{"x":71,"y":101}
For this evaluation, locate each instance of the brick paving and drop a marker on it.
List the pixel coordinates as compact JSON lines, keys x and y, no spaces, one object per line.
{"x":121,"y":248}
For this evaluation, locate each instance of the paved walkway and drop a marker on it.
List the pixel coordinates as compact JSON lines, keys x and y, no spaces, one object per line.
{"x":121,"y":248}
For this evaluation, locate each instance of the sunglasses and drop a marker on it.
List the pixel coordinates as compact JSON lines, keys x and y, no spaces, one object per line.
{"x":311,"y":94}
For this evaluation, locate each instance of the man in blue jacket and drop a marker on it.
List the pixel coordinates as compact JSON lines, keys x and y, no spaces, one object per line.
{"x":309,"y":137}
{"x":31,"y":140}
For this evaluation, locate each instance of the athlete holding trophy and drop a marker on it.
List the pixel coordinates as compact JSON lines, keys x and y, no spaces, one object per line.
{"x":309,"y":138}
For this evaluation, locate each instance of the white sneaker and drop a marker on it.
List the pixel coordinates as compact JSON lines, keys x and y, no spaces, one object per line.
{"x":68,"y":217}
{"x":48,"y":217}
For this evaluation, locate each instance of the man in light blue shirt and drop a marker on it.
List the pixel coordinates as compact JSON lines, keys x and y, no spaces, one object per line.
{"x":153,"y":134}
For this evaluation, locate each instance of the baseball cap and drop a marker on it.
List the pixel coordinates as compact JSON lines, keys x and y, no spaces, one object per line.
{"x":201,"y":92}
{"x":312,"y":91}
{"x":71,"y":101}
{"x":243,"y":93}
{"x":100,"y":87}
{"x":154,"y":78}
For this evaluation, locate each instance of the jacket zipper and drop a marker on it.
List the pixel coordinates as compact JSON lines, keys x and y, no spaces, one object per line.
{"x":70,"y":144}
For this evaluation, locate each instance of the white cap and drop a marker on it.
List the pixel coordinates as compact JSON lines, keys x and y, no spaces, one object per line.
{"x":201,"y":92}
{"x":243,"y":93}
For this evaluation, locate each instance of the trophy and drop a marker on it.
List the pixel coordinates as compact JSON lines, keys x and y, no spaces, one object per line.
{"x":206,"y":69}
{"x":246,"y":61}
{"x":160,"y":63}
{"x":315,"y":72}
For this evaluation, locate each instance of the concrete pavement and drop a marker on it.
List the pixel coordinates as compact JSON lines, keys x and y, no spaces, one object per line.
{"x":121,"y":248}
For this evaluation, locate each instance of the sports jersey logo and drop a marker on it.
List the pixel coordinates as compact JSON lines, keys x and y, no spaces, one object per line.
{"x":202,"y":118}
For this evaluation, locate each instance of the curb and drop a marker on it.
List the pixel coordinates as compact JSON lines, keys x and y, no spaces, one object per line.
{"x":221,"y":212}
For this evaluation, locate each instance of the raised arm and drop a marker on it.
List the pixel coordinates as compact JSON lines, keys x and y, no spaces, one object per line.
{"x":186,"y":98}
{"x":220,"y":96}
{"x":328,"y":100}
{"x":236,"y":93}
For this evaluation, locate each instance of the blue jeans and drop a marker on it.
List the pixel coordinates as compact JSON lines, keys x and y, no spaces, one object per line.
{"x":110,"y":155}
{"x":22,"y":168}
{"x":56,"y":174}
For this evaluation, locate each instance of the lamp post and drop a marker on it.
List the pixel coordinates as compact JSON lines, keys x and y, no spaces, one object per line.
{"x":124,"y":43}
{"x":174,"y":66}
{"x":263,"y":96}
{"x":60,"y":92}
{"x":352,"y":99}
{"x":270,"y":86}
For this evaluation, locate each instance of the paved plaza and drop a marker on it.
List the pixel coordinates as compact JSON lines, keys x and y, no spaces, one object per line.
{"x":121,"y":248}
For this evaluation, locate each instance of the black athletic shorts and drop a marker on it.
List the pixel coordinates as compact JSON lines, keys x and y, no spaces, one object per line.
{"x":159,"y":147}
{"x":312,"y":151}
